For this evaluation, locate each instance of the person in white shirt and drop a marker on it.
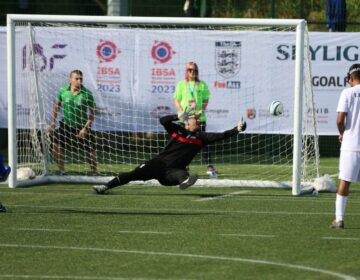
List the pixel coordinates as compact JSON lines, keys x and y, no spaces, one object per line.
{"x":348,"y":123}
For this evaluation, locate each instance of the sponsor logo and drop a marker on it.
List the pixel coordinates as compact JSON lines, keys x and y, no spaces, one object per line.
{"x":251,"y":113}
{"x":107,"y":51}
{"x":41,"y":56}
{"x":228,"y":84}
{"x":162,"y":52}
{"x":320,"y":111}
{"x":321,"y":115}
{"x":163,"y":72}
{"x":321,"y":52}
{"x":108,"y":76}
{"x":227,"y":58}
{"x":108,"y":71}
{"x":218,"y":113}
{"x":332,"y":81}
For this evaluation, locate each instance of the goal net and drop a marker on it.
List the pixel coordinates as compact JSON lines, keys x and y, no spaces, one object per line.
{"x":132,"y":65}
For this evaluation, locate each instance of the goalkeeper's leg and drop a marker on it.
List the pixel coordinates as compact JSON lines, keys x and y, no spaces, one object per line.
{"x":181,"y":177}
{"x":152,"y":169}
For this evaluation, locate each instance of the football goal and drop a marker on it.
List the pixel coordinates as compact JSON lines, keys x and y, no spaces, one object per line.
{"x":132,"y":65}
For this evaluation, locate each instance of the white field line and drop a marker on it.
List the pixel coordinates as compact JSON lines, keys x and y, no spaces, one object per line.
{"x":43,"y":229}
{"x":139,"y":232}
{"x":341,"y":238}
{"x":185,"y":255}
{"x":75,"y":230}
{"x":162,"y":210}
{"x":221,"y":196}
{"x":245,"y":197}
{"x":247,"y":235}
{"x":28,"y":276}
{"x":143,"y":232}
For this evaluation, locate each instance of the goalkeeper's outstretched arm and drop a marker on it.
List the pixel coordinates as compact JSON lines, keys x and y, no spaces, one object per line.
{"x":168,"y":122}
{"x":213,"y":137}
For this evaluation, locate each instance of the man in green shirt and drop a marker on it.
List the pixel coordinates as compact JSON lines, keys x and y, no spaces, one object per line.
{"x":74,"y":130}
{"x":193,"y":94}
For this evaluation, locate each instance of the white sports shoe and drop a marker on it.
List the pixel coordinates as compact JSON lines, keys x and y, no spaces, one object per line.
{"x":100,"y":189}
{"x":212,"y":172}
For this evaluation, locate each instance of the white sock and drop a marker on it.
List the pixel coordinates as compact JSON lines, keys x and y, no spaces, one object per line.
{"x":340,"y":205}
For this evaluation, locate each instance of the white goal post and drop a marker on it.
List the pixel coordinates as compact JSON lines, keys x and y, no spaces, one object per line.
{"x":271,"y":153}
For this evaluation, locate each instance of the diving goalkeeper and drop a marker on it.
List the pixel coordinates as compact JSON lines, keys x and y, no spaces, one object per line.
{"x":169,"y":166}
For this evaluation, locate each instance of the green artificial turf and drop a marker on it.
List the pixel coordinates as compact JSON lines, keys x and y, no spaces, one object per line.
{"x":65,"y":231}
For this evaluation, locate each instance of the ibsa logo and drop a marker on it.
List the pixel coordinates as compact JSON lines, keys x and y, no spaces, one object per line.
{"x":108,"y":71}
{"x":107,"y":51}
{"x":161,"y":52}
{"x":159,"y":72}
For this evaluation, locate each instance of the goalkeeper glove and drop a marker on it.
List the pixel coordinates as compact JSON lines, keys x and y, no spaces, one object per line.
{"x":241,"y":125}
{"x":185,"y":115}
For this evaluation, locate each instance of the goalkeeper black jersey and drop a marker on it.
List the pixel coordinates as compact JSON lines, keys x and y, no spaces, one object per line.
{"x":184,"y":145}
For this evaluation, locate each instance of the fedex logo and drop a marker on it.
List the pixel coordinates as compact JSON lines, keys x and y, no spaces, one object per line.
{"x":43,"y":59}
{"x":228,"y":84}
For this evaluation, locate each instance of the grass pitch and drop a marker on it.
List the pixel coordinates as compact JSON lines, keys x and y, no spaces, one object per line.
{"x":141,"y":232}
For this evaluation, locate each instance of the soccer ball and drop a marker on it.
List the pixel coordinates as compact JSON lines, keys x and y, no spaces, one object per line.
{"x":276,"y":108}
{"x":25,"y":173}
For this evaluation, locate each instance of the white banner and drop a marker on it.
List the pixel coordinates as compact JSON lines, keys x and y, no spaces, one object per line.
{"x":133,"y":73}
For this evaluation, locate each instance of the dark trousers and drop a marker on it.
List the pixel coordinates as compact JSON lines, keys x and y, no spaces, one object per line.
{"x":152,"y":169}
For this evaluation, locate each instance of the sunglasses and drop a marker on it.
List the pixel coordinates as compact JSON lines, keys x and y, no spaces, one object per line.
{"x":192,"y":70}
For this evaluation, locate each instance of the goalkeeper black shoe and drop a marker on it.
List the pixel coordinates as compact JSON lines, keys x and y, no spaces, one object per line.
{"x":337,"y":224}
{"x":2,"y":208}
{"x":100,"y":189}
{"x":188,"y":182}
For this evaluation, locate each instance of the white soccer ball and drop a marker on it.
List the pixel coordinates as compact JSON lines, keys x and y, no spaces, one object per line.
{"x":25,"y":173}
{"x":276,"y":108}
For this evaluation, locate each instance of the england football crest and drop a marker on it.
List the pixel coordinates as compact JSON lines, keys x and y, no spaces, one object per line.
{"x":227,"y":58}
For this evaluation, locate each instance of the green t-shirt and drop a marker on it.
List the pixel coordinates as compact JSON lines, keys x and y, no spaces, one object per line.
{"x":75,"y":106}
{"x":187,"y":91}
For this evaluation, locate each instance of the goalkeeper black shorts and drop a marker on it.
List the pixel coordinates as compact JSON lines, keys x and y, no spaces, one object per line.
{"x":156,"y":169}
